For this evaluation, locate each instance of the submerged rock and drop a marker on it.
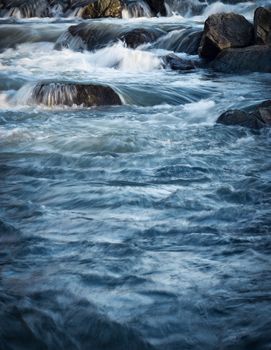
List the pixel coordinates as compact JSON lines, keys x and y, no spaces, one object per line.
{"x":256,"y":58}
{"x":139,"y":36}
{"x":87,"y":36}
{"x":258,"y":117}
{"x":222,"y":31}
{"x":177,"y":63}
{"x":68,"y":94}
{"x":262,"y":25}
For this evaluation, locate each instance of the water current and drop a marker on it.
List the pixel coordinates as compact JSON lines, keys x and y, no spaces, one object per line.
{"x":140,"y":226}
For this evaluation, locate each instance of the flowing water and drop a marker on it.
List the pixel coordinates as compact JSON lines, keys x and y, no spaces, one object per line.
{"x":141,"y":226}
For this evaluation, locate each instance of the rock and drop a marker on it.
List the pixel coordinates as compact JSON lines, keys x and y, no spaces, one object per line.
{"x":259,"y":117}
{"x":68,"y":94}
{"x":222,"y":31}
{"x":177,"y":63}
{"x":103,"y":8}
{"x":92,"y":36}
{"x":88,"y":36}
{"x":139,"y":36}
{"x":255,"y":58}
{"x":262,"y":25}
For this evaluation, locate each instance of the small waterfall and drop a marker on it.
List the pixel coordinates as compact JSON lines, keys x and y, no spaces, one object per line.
{"x":25,"y":9}
{"x":185,"y":7}
{"x":136,"y":9}
{"x":66,"y":94}
{"x":53,"y":94}
{"x":48,"y":94}
{"x":69,"y":41}
{"x":180,"y":40}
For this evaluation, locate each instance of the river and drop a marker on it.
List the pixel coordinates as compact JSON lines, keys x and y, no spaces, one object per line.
{"x":140,"y":226}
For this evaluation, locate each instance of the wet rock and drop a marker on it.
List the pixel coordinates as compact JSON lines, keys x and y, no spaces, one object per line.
{"x":103,"y":8}
{"x":93,"y":36}
{"x":139,"y":36}
{"x":69,"y":94}
{"x":262,"y":25}
{"x":88,"y":36}
{"x":256,"y":58}
{"x":222,"y":31}
{"x":177,"y":63}
{"x":256,"y":118}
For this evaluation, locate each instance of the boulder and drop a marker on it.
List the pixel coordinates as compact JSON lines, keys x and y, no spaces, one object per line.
{"x":103,"y":8}
{"x":222,"y":31}
{"x":177,"y":63}
{"x":256,"y":118}
{"x":262,"y":25}
{"x":256,"y":58}
{"x":139,"y":36}
{"x":68,"y":94}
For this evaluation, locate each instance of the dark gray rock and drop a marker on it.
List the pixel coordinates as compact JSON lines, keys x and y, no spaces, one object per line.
{"x":177,"y":63}
{"x":68,"y":94}
{"x":139,"y":36}
{"x":256,"y":58}
{"x":262,"y":25}
{"x":93,"y":36}
{"x":259,"y":116}
{"x":222,"y":31}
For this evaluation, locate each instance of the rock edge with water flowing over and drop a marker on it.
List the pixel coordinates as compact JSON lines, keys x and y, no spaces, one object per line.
{"x":69,"y":94}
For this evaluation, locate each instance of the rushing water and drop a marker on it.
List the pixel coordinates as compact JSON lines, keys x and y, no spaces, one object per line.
{"x":141,"y":226}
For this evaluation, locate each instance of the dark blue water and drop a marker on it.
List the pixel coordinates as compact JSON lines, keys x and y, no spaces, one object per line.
{"x":143,"y":226}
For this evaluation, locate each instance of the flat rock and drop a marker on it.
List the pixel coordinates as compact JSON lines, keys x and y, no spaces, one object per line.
{"x":256,"y":58}
{"x":177,"y":63}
